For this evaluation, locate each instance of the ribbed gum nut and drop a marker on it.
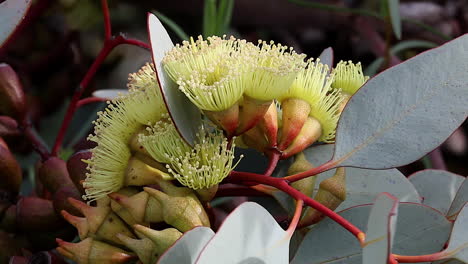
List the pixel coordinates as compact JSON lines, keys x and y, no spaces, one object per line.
{"x":227,"y":120}
{"x":101,"y":223}
{"x":301,"y":164}
{"x":162,"y":239}
{"x":8,"y":126}
{"x":250,"y":113}
{"x":10,"y":171}
{"x":60,"y":200}
{"x":294,"y":115}
{"x":91,"y":251}
{"x":207,"y":194}
{"x":77,"y":169}
{"x":269,"y":125}
{"x":331,"y":193}
{"x":137,"y":209}
{"x":53,"y":174}
{"x":180,"y":212}
{"x":8,"y":221}
{"x":144,"y":248}
{"x":12,"y":99}
{"x":34,"y":214}
{"x":256,"y":139}
{"x":310,"y":132}
{"x":139,"y":174}
{"x":170,"y":189}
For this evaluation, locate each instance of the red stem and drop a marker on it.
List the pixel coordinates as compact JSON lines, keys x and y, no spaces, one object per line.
{"x":37,"y":144}
{"x":421,"y":258}
{"x":273,"y":161}
{"x":90,"y":100}
{"x":314,"y":171}
{"x":282,"y":184}
{"x":109,"y":44}
{"x":296,"y":217}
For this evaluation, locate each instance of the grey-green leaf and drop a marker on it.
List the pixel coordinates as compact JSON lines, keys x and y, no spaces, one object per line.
{"x":459,"y":201}
{"x":458,"y":244}
{"x":326,"y":57}
{"x":380,"y":230}
{"x":437,"y":187}
{"x":188,"y":247}
{"x":419,"y":230}
{"x":406,"y":111}
{"x":184,"y":114}
{"x":249,"y":235}
{"x":12,"y":13}
{"x":394,"y":10}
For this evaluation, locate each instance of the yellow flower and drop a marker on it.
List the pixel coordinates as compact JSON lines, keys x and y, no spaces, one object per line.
{"x":207,"y":164}
{"x":123,"y":117}
{"x":208,"y":71}
{"x":349,"y":77}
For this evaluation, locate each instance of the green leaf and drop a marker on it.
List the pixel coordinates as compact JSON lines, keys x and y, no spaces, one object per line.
{"x":326,"y":57}
{"x":394,"y":11}
{"x":459,"y":201}
{"x":406,"y":111}
{"x":188,"y":247}
{"x":380,"y":230}
{"x":419,"y":230}
{"x":458,"y":244}
{"x":249,"y":235}
{"x":12,"y":12}
{"x":224,"y":16}
{"x":209,"y":18}
{"x":172,"y":25}
{"x":184,"y":114}
{"x":436,"y":187}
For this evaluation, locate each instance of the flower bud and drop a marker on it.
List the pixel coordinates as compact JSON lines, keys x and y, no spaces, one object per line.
{"x":301,"y":164}
{"x":251,"y":112}
{"x":256,"y":139}
{"x":91,"y":251}
{"x":34,"y":214}
{"x":54,"y":174}
{"x":184,"y":213}
{"x":99,"y":222}
{"x":77,"y":168}
{"x":294,"y":115}
{"x":11,"y":174}
{"x":139,"y":174}
{"x":269,"y":124}
{"x":60,"y":200}
{"x":309,"y":133}
{"x":12,"y":99}
{"x":227,"y":119}
{"x":8,"y":126}
{"x":152,"y":244}
{"x":331,"y":193}
{"x":139,"y":208}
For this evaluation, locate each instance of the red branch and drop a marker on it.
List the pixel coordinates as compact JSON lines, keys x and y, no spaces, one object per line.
{"x":109,"y":44}
{"x":90,"y":100}
{"x":282,"y":184}
{"x":314,"y":171}
{"x":296,"y":217}
{"x":273,"y":161}
{"x":421,"y":258}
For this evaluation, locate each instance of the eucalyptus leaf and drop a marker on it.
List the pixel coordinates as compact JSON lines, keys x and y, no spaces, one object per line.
{"x":12,"y":12}
{"x":380,"y":230}
{"x":184,"y":114}
{"x":109,"y":93}
{"x":362,"y":185}
{"x":327,"y":57}
{"x":395,"y":19}
{"x":460,"y":199}
{"x":458,"y":244}
{"x":419,"y":230}
{"x":248,"y":235}
{"x":381,"y":125}
{"x":188,"y":247}
{"x":437,"y":187}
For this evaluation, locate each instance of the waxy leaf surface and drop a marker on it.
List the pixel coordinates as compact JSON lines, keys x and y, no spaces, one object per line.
{"x":437,"y":187}
{"x":458,"y":243}
{"x":419,"y":230}
{"x":459,"y":201}
{"x":326,"y":57}
{"x":188,"y":247}
{"x":406,"y":111}
{"x":184,"y":114}
{"x":12,"y":13}
{"x":380,"y":230}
